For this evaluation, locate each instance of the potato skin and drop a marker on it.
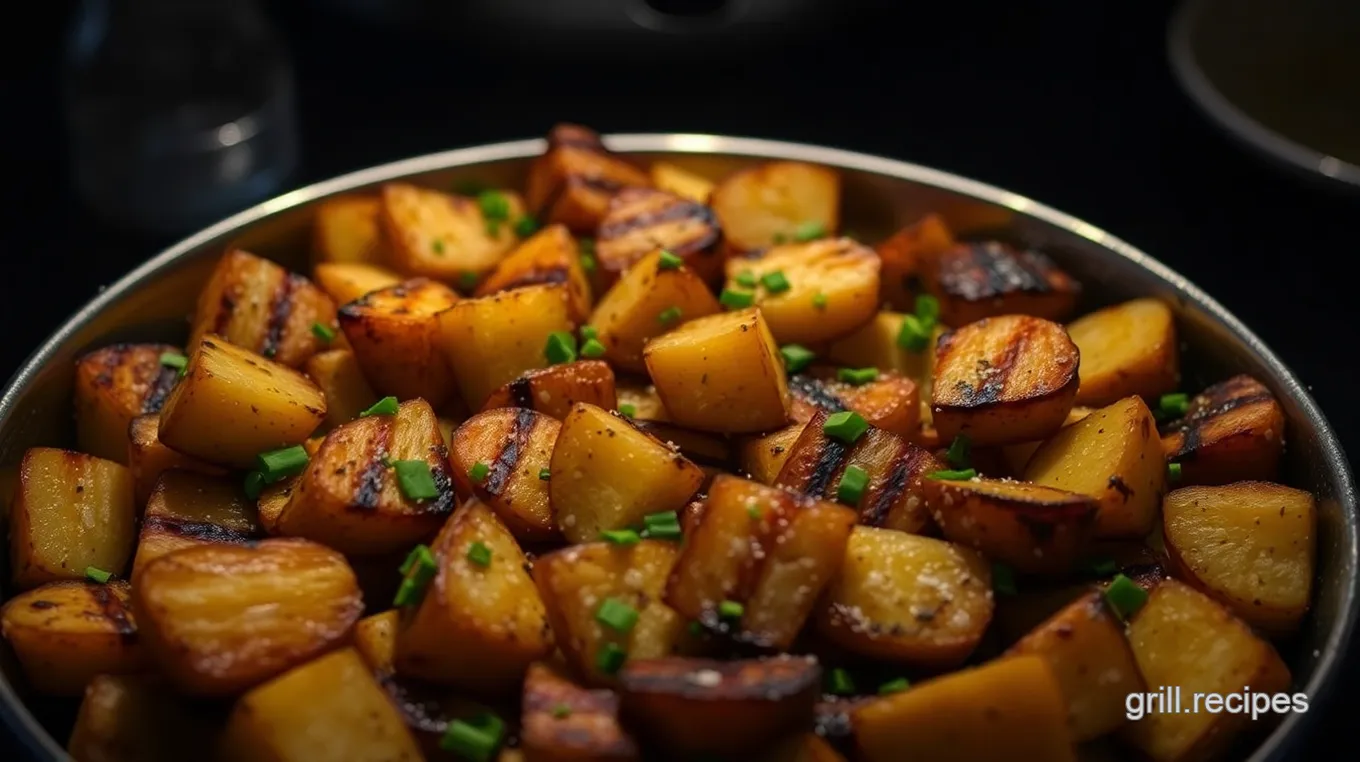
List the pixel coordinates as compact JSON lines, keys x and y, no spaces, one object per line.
{"x":113,"y":385}
{"x":642,"y":220}
{"x":768,"y":203}
{"x":437,"y":235}
{"x":1234,"y":431}
{"x":977,"y":280}
{"x":553,"y":390}
{"x":573,"y":182}
{"x":66,"y":633}
{"x":1128,"y":349}
{"x":563,"y":722}
{"x":549,"y":256}
{"x":515,"y":444}
{"x":395,"y":337}
{"x":833,"y":288}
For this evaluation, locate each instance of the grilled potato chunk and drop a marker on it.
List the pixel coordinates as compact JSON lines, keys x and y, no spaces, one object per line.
{"x":234,"y":404}
{"x":574,"y":180}
{"x":66,"y":633}
{"x":1251,"y":545}
{"x":443,"y":236}
{"x":553,"y":390}
{"x":908,"y":254}
{"x":219,"y":619}
{"x":762,"y":457}
{"x":608,"y":475}
{"x":1085,"y":647}
{"x":147,"y":458}
{"x":327,"y":709}
{"x":515,"y":445}
{"x":1037,"y":530}
{"x":765,"y":548}
{"x":114,"y":385}
{"x":1182,"y":638}
{"x":189,"y":509}
{"x":350,"y":281}
{"x":1003,"y":380}
{"x":260,"y":306}
{"x":1128,"y":349}
{"x":647,"y":302}
{"x":962,"y":717}
{"x":492,"y":340}
{"x":978,"y":280}
{"x":874,"y":345}
{"x":71,"y":511}
{"x":703,"y":706}
{"x":549,"y":256}
{"x":1234,"y":431}
{"x":1014,"y":457}
{"x":346,"y":229}
{"x":777,"y":201}
{"x":563,"y":722}
{"x":703,"y":389}
{"x":889,"y":402}
{"x":349,"y":497}
{"x":477,"y":627}
{"x":1113,"y":456}
{"x":681,"y":182}
{"x":375,"y":638}
{"x":908,"y":599}
{"x":347,"y":392}
{"x":832,"y":288}
{"x":708,"y":450}
{"x":134,"y":718}
{"x":642,"y":220}
{"x":396,"y":339}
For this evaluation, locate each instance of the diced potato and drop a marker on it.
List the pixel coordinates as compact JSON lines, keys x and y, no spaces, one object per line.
{"x":349,"y":281}
{"x":608,"y":475}
{"x":147,"y":458}
{"x":549,"y":256}
{"x":1251,"y":545}
{"x":832,"y":288}
{"x":1085,"y":647}
{"x":327,"y":709}
{"x":806,"y":747}
{"x":66,"y":633}
{"x":553,"y":390}
{"x":476,"y":627}
{"x":516,"y":446}
{"x":1037,"y":530}
{"x":492,"y":340}
{"x":681,"y":182}
{"x":574,"y":180}
{"x":1233,"y":432}
{"x":234,"y":405}
{"x":563,"y":722}
{"x":702,"y":388}
{"x":273,"y":499}
{"x":703,"y":706}
{"x":71,"y":512}
{"x":219,"y":619}
{"x":641,"y":396}
{"x":777,"y":201}
{"x":347,"y":392}
{"x":1010,"y":706}
{"x":113,"y":385}
{"x":1014,"y":457}
{"x":642,"y":220}
{"x":705,"y":449}
{"x":396,"y":339}
{"x":134,"y":718}
{"x":188,"y":509}
{"x":346,"y":229}
{"x":375,"y":638}
{"x":908,"y":599}
{"x":1004,"y":380}
{"x":889,"y":402}
{"x":765,"y":548}
{"x":1112,"y":455}
{"x":1183,"y":639}
{"x":1128,"y":349}
{"x":647,"y":302}
{"x":908,"y":254}
{"x":762,"y":457}
{"x":978,"y":280}
{"x":874,"y":345}
{"x":443,"y":236}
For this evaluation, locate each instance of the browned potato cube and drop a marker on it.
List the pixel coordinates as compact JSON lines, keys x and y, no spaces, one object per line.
{"x":721,"y":373}
{"x":766,"y":549}
{"x":832,"y":288}
{"x":605,"y":474}
{"x":641,"y":397}
{"x":147,"y":458}
{"x":1014,"y":457}
{"x":395,"y":336}
{"x":1128,"y":349}
{"x":563,"y":722}
{"x":889,"y":402}
{"x":874,"y":345}
{"x":681,"y":182}
{"x":515,"y":446}
{"x":219,"y":619}
{"x":979,"y":280}
{"x":574,"y":180}
{"x":647,"y":302}
{"x":375,"y":638}
{"x":705,"y":449}
{"x":114,"y":385}
{"x":71,"y":512}
{"x":137,"y":718}
{"x":908,"y":254}
{"x":346,"y":229}
{"x":443,"y":236}
{"x":1233,"y":432}
{"x":762,"y":457}
{"x":777,"y":201}
{"x":347,"y":392}
{"x":642,"y":220}
{"x":553,"y":390}
{"x":908,"y":599}
{"x":188,"y":509}
{"x":549,"y":256}
{"x":349,"y":281}
{"x":65,"y":633}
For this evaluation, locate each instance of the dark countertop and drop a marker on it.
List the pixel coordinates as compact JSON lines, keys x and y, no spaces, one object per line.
{"x":1070,"y":103}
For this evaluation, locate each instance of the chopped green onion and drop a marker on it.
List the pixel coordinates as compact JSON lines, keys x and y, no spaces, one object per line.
{"x":592,"y":348}
{"x":1173,"y":472}
{"x":587,"y":246}
{"x":323,"y":332}
{"x":384,"y":406}
{"x":746,"y":278}
{"x":494,"y":204}
{"x":479,"y":554}
{"x":254,"y":484}
{"x":479,"y":471}
{"x":736,"y":300}
{"x":610,"y":658}
{"x":588,"y":263}
{"x":846,"y":426}
{"x":819,"y":301}
{"x":775,"y":282}
{"x":417,"y":570}
{"x":779,"y":238}
{"x":960,"y":451}
{"x":415,"y":479}
{"x":438,"y":246}
{"x":1104,"y":567}
{"x":1125,"y":596}
{"x":467,"y":280}
{"x":894,"y":686}
{"x":420,"y":555}
{"x":526,"y":226}
{"x":620,"y":536}
{"x":913,"y":335}
{"x":662,"y":526}
{"x":947,"y":475}
{"x":809,"y":231}
{"x":754,"y":512}
{"x":668,"y":315}
{"x":857,"y":376}
{"x":545,"y":474}
{"x":852,"y":484}
{"x":561,"y":348}
{"x":731,"y":610}
{"x":1174,"y":405}
{"x":1003,"y":579}
{"x":589,"y":332}
{"x":839,"y":683}
{"x":469,"y":187}
{"x":281,"y":464}
{"x":95,"y":574}
{"x":174,"y":360}
{"x":796,"y":357}
{"x":474,"y":742}
{"x":669,"y":261}
{"x":928,"y":310}
{"x":696,"y":629}
{"x":616,"y":615}
{"x":561,"y":712}
{"x":627,"y":410}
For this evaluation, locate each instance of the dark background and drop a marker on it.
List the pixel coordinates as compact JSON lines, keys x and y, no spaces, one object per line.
{"x":1071,"y":103}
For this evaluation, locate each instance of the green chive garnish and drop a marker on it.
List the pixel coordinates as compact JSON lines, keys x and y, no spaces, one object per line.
{"x":662,"y":526}
{"x":627,"y":411}
{"x":1003,"y":579}
{"x":754,"y":512}
{"x":857,"y":376}
{"x":1174,"y":405}
{"x":846,"y":426}
{"x":589,"y":332}
{"x":960,"y":451}
{"x":1104,"y":567}
{"x":281,"y":464}
{"x":561,"y":348}
{"x":474,"y":741}
{"x":174,"y":360}
{"x":479,"y":471}
{"x":438,"y":246}
{"x":525,"y":226}
{"x":913,"y":335}
{"x":731,"y":610}
{"x":323,"y":332}
{"x":819,"y":301}
{"x":1173,"y":472}
{"x":620,"y":536}
{"x":588,"y":262}
{"x":418,"y":569}
{"x":254,"y":484}
{"x":796,"y":357}
{"x":928,"y":309}
{"x":561,"y":712}
{"x":420,"y":555}
{"x":545,"y":474}
{"x":467,"y":280}
{"x":775,"y":282}
{"x":852,"y":484}
{"x":494,"y":205}
{"x":736,"y":300}
{"x":415,"y":479}
{"x":384,"y":406}
{"x":616,"y":615}
{"x":592,"y":348}
{"x":838,"y":682}
{"x":95,"y":574}
{"x":669,"y":261}
{"x":894,"y":686}
{"x":479,"y":554}
{"x":1125,"y":596}
{"x":809,"y":231}
{"x":610,"y":658}
{"x":746,"y":278}
{"x":947,"y":475}
{"x":668,"y":315}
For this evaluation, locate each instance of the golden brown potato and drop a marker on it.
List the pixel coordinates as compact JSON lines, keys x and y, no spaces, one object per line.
{"x":330,"y":708}
{"x":908,"y":599}
{"x":349,"y":281}
{"x":1250,"y":545}
{"x":65,"y":633}
{"x":492,"y":340}
{"x":71,"y":512}
{"x":1182,"y":638}
{"x":234,"y":405}
{"x":762,"y":457}
{"x":446,"y":237}
{"x":1112,"y":455}
{"x":219,"y":619}
{"x":114,"y":385}
{"x":188,"y":509}
{"x":137,"y":718}
{"x":642,"y":220}
{"x":1013,"y":704}
{"x":702,"y":387}
{"x":705,"y":449}
{"x":1014,"y":457}
{"x":874,"y":345}
{"x":575,"y":179}
{"x":699,"y":706}
{"x":396,"y":339}
{"x":553,"y":390}
{"x":889,"y":402}
{"x":681,"y":182}
{"x":979,"y":280}
{"x":514,"y":446}
{"x":605,"y":474}
{"x":1037,"y":530}
{"x":549,"y":256}
{"x":1003,"y":380}
{"x":1128,"y":349}
{"x":767,"y":550}
{"x":777,"y":201}
{"x":476,"y":626}
{"x":260,"y":306}
{"x":147,"y":458}
{"x":346,"y":229}
{"x":647,"y":302}
{"x":1234,"y":431}
{"x":347,"y":392}
{"x":1085,"y":647}
{"x":641,"y":398}
{"x":832,"y":288}
{"x":563,"y":722}
{"x":908,"y":254}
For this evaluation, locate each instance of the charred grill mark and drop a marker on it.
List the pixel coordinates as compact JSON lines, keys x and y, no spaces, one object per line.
{"x":111,"y":606}
{"x":829,"y":460}
{"x":1201,"y":415}
{"x":978,"y":271}
{"x":995,"y":376}
{"x":521,"y":392}
{"x":555,"y":195}
{"x":110,"y":359}
{"x":226,"y":307}
{"x":597,"y":183}
{"x":535,"y":277}
{"x":570,"y":136}
{"x":875,"y":512}
{"x":197,"y":530}
{"x":648,"y":215}
{"x":516,"y":443}
{"x":368,"y":491}
{"x":1117,"y":484}
{"x":421,"y":713}
{"x":159,"y":389}
{"x":280,"y":307}
{"x":815,"y":393}
{"x":442,"y":482}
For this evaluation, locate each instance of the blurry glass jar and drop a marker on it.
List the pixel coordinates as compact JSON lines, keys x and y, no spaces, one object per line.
{"x":180,"y":112}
